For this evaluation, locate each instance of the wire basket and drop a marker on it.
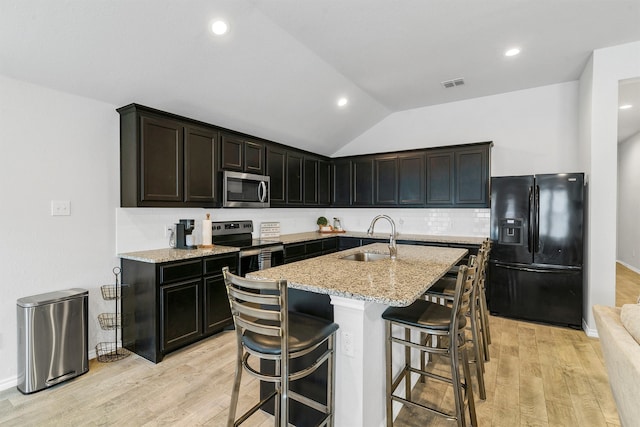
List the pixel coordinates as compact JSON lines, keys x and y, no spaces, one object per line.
{"x":110,"y":352}
{"x":110,"y":292}
{"x":110,"y":321}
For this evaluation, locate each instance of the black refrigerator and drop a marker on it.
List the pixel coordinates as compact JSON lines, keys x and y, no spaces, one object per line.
{"x":535,"y":263}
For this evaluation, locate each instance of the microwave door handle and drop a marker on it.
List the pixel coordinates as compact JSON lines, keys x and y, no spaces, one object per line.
{"x":262,"y":191}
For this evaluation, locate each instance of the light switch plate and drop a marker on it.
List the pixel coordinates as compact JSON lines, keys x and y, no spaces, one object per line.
{"x":60,"y":207}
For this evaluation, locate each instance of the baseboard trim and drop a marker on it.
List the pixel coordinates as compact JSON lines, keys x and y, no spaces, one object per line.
{"x":7,"y":383}
{"x":630,"y":267}
{"x":591,"y":332}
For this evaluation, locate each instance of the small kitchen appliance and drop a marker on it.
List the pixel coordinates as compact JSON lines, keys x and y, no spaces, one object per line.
{"x":184,"y":234}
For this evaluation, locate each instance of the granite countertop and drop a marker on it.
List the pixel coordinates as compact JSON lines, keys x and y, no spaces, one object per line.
{"x":158,"y":256}
{"x":313,"y":235}
{"x":393,"y":282}
{"x":170,"y":254}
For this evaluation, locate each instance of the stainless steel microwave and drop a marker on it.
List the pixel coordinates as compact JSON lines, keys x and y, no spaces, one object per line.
{"x":245,"y":190}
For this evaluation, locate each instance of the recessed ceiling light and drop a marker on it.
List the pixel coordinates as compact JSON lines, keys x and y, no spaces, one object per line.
{"x":512,"y":52}
{"x":342,"y":102}
{"x":219,"y":28}
{"x":626,"y":106}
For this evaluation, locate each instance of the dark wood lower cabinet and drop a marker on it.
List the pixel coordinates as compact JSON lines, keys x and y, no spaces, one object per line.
{"x":169,"y":305}
{"x":180,"y":313}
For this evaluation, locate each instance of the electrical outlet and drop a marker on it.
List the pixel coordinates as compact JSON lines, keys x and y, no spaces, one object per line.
{"x":168,"y":229}
{"x":60,"y":207}
{"x":347,"y":344}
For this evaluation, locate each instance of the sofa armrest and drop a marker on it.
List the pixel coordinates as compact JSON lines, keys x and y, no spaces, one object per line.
{"x":622,"y":360}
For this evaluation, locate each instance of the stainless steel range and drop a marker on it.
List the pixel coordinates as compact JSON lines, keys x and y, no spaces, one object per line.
{"x":255,"y":254}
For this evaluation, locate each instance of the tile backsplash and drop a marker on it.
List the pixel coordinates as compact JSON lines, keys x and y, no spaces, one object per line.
{"x":143,"y":228}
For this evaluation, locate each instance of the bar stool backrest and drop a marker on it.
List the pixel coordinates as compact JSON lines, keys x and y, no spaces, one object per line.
{"x":259,"y":306}
{"x":463,"y":294}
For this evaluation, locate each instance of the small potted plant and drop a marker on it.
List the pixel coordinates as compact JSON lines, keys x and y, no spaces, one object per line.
{"x":323,"y":224}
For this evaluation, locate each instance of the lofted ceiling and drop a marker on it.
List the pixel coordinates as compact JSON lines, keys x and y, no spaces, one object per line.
{"x":284,"y":63}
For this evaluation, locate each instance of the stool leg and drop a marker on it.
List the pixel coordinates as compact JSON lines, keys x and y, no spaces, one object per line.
{"x":479,"y":359}
{"x":456,"y":381}
{"x":389,"y":364}
{"x":484,"y":313}
{"x":331,"y":374}
{"x":236,"y":385}
{"x":469,"y":387}
{"x":407,"y":365}
{"x":277,"y":402}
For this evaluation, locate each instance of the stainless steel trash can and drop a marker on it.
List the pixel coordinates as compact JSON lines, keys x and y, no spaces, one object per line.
{"x":52,"y":338}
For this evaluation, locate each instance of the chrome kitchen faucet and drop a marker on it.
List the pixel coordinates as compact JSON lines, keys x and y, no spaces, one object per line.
{"x":393,"y":250}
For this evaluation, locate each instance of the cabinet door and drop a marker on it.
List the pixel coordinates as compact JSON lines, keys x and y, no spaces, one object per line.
{"x":310,"y":184}
{"x":342,"y":182}
{"x":200,"y":160}
{"x":253,"y":157}
{"x":231,"y":152}
{"x":472,"y":178}
{"x":411,"y":179}
{"x":324,"y":183}
{"x":161,"y":162}
{"x":440,"y":178}
{"x":386,"y":180}
{"x":217,"y":313}
{"x":363,"y":181}
{"x":294,"y":178}
{"x":276,"y":170}
{"x":180,"y":313}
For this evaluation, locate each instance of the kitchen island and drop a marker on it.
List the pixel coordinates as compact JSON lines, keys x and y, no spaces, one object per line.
{"x":359,"y":293}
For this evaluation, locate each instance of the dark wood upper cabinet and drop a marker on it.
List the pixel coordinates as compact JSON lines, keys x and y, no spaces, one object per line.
{"x":200,"y":158}
{"x":324,"y":183}
{"x":172,"y":161}
{"x":276,"y":169}
{"x":231,"y":152}
{"x":342,"y":182}
{"x":363,"y":181}
{"x":386,"y":180}
{"x":459,"y":176}
{"x":411,"y":179}
{"x":166,"y":161}
{"x":254,"y":157}
{"x":294,"y":178}
{"x":237,"y":153}
{"x":161,"y":163}
{"x":310,"y":181}
{"x":440,"y":178}
{"x":472,"y":176}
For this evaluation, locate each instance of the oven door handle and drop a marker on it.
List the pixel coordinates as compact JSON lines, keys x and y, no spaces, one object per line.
{"x":257,"y":251}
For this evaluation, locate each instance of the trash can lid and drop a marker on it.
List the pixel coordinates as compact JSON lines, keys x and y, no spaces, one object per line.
{"x":51,"y":297}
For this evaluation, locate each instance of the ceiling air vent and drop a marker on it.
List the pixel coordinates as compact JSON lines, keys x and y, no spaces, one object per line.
{"x":452,"y":83}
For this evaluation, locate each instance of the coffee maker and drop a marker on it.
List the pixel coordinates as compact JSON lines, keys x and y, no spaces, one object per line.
{"x":184,"y":237}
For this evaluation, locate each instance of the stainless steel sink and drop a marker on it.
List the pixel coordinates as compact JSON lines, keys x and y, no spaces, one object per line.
{"x":365,"y":257}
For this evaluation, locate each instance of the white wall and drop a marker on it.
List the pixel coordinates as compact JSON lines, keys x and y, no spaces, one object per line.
{"x":55,"y":146}
{"x":533,"y":130}
{"x":598,"y":145}
{"x":628,"y":248}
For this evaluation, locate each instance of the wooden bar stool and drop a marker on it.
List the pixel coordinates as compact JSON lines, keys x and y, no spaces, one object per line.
{"x":435,"y":321}
{"x":266,"y":330}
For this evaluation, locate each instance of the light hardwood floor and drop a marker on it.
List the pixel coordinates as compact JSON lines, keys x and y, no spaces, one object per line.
{"x":538,"y":376}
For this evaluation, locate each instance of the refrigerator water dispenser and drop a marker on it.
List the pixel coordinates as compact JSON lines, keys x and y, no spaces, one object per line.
{"x":511,"y":231}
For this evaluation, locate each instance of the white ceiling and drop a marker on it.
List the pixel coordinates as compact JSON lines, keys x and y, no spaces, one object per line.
{"x":279,"y":71}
